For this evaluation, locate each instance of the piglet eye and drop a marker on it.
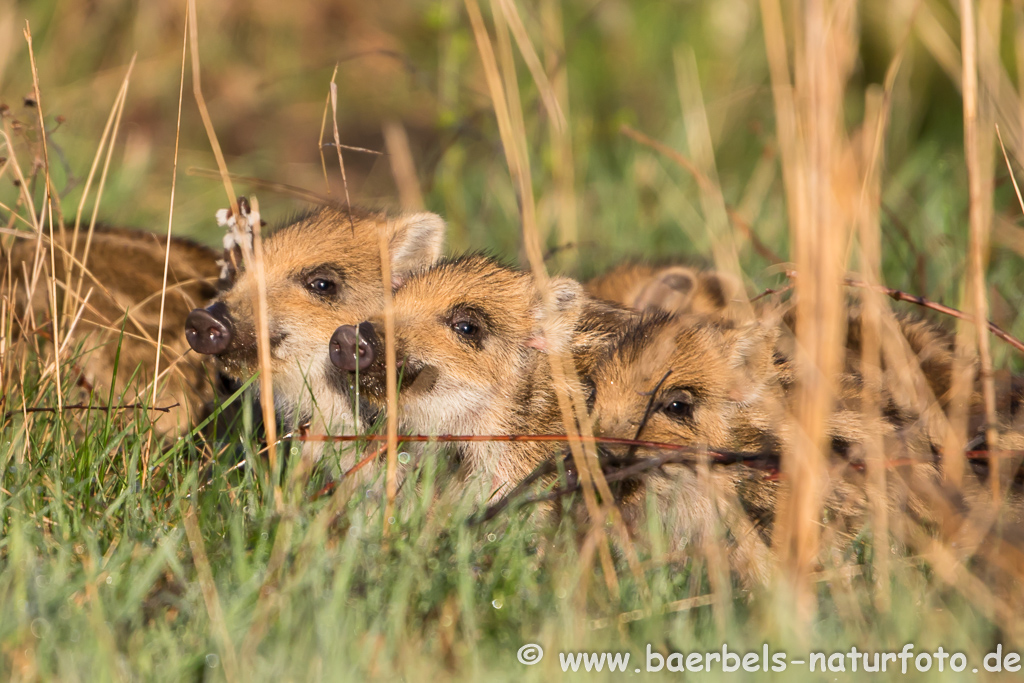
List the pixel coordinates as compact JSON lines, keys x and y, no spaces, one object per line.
{"x":465,"y":328}
{"x":678,"y":405}
{"x":322,"y":286}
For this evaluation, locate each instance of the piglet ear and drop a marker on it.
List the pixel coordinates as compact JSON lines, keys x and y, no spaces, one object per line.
{"x":554,"y":326}
{"x":751,"y":350}
{"x":671,"y":290}
{"x":415,"y":243}
{"x":716,"y":292}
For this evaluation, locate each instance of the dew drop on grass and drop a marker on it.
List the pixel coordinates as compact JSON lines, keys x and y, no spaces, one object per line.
{"x":492,"y":538}
{"x":212,"y":660}
{"x":497,"y":603}
{"x":404,"y":458}
{"x":40,"y":628}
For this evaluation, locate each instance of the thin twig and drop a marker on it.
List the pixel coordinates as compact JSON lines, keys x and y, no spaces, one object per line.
{"x":769,"y":291}
{"x":337,"y":145}
{"x":899,"y":295}
{"x":85,"y":406}
{"x":624,"y":468}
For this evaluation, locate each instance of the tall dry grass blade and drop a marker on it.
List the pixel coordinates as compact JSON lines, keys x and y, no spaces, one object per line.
{"x":513,"y":135}
{"x":167,"y":251}
{"x":809,"y":118}
{"x":47,"y":213}
{"x":403,"y":168}
{"x":996,"y":95}
{"x":112,"y":127}
{"x":760,"y":183}
{"x":320,"y":140}
{"x":698,"y":135}
{"x":204,"y":113}
{"x":263,"y":344}
{"x":104,"y":136}
{"x":563,"y":168}
{"x":878,"y":106}
{"x":1018,"y":52}
{"x":726,"y":258}
{"x":547,"y":93}
{"x":391,"y":379}
{"x":977,"y":150}
{"x":253,"y":260}
{"x":1009,"y":169}
{"x":208,"y":587}
{"x":337,"y":142}
{"x":875,"y":120}
{"x":513,"y":144}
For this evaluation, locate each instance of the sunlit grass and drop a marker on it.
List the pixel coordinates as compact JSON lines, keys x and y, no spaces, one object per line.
{"x":98,"y":577}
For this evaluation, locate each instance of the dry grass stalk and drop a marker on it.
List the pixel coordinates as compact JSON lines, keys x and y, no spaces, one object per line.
{"x":391,"y":378}
{"x":532,"y":248}
{"x":110,"y":131}
{"x":514,"y":143}
{"x":547,"y":93}
{"x":337,"y":141}
{"x":878,"y":107}
{"x":876,"y":118}
{"x":210,"y":597}
{"x":320,"y":140}
{"x":726,"y":258}
{"x":698,"y":135}
{"x":48,"y":199}
{"x":979,"y":149}
{"x":167,"y":251}
{"x":204,"y":113}
{"x":563,"y":169}
{"x":402,"y":166}
{"x":809,"y":119}
{"x":252,"y":260}
{"x":411,"y":198}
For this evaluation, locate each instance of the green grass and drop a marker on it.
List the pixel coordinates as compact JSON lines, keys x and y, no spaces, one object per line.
{"x":98,"y":578}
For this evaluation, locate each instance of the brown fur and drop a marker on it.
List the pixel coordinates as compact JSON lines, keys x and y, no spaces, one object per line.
{"x":719,"y":388}
{"x":328,"y":244}
{"x":674,"y":289}
{"x":126,"y":275}
{"x":496,"y":378}
{"x":728,"y":388}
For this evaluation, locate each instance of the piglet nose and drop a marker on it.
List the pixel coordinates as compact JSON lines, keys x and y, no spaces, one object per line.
{"x":352,"y":347}
{"x":208,"y":330}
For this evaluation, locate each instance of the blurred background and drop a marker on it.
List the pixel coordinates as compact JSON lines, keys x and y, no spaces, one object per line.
{"x":602,"y":195}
